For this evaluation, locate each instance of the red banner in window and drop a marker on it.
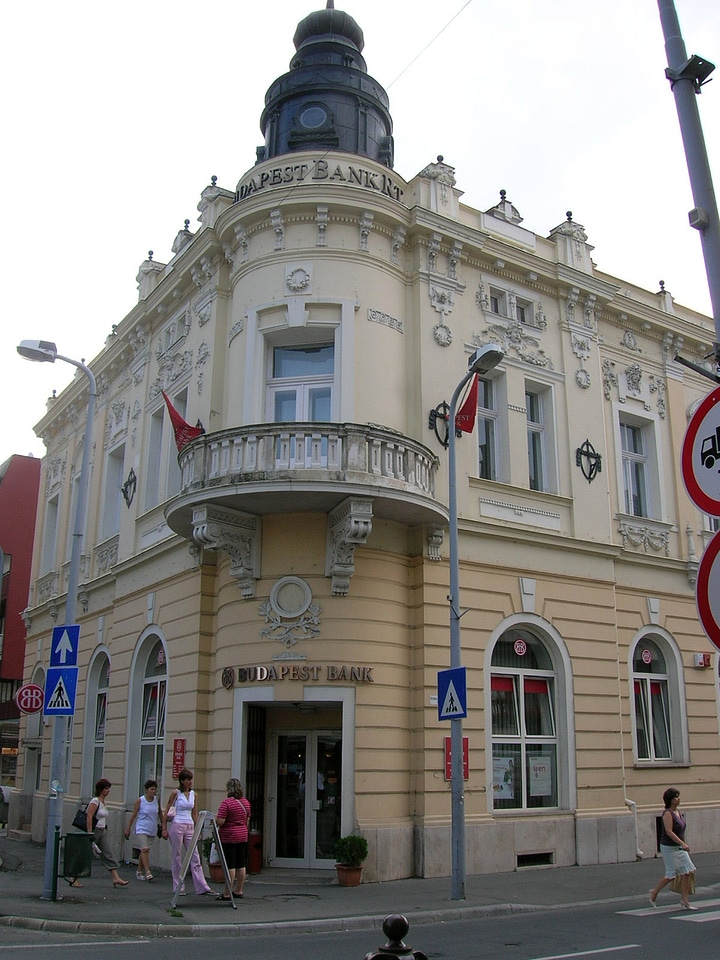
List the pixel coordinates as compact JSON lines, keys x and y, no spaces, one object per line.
{"x":535,"y":685}
{"x":505,"y":684}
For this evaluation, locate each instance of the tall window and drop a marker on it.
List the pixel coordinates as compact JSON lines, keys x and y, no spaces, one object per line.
{"x":534,"y":406}
{"x":635,"y":469}
{"x":524,"y":735}
{"x":47,"y":560}
{"x":154,"y":459}
{"x":653,"y":740}
{"x":162,"y":479}
{"x":101,"y":697}
{"x":111,"y":500}
{"x":74,"y":493}
{"x":152,"y":732}
{"x":487,"y":421}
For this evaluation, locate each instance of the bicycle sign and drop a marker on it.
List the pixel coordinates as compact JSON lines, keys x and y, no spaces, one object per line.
{"x":701,"y":455}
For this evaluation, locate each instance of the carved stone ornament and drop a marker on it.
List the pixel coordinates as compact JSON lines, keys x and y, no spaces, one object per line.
{"x":235,"y":533}
{"x":442,"y":335}
{"x":297,"y":280}
{"x":290,"y":614}
{"x":434,"y":542}
{"x":442,"y":300}
{"x":349,"y":525}
{"x":513,"y":337}
{"x":643,"y":535}
{"x":236,"y":328}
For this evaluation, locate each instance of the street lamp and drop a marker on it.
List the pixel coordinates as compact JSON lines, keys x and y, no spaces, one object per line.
{"x":43,"y":351}
{"x":483,"y":360}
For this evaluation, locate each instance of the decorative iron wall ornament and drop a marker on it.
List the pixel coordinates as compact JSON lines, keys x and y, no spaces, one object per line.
{"x":589,"y":461}
{"x":442,"y":430}
{"x":129,"y":487}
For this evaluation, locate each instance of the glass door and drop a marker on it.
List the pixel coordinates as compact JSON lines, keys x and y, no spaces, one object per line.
{"x":305,"y":798}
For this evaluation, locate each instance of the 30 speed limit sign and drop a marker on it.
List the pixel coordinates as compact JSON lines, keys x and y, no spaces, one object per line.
{"x":30,"y":698}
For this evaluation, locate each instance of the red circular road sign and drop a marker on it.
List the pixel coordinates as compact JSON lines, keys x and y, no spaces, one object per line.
{"x":707,"y":590}
{"x":701,"y":455}
{"x":30,"y":698}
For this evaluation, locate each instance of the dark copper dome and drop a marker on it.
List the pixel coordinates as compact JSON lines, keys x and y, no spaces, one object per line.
{"x":329,"y":21}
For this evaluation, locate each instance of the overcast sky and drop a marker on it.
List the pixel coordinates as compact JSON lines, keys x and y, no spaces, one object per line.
{"x":117,"y":115}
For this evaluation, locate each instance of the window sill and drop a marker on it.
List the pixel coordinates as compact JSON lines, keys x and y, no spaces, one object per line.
{"x":661,"y":764}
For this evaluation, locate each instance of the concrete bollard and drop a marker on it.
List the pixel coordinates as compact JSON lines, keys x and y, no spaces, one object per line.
{"x":395,"y":928}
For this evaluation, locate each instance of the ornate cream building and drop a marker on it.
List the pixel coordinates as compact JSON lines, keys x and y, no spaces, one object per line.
{"x":272,"y":602}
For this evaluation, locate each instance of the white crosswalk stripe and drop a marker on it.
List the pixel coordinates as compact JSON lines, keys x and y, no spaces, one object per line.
{"x":702,"y":916}
{"x":679,"y":914}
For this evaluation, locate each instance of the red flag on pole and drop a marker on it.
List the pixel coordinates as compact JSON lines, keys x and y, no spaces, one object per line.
{"x":184,"y":433}
{"x":465,"y":417}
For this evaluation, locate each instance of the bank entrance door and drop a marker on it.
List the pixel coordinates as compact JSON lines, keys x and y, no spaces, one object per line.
{"x":305,"y":796}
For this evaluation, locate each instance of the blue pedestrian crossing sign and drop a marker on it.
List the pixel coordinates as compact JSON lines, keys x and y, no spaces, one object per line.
{"x":452,"y":694}
{"x":64,"y":645}
{"x":60,"y":691}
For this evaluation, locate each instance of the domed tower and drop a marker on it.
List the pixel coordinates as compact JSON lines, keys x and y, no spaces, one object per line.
{"x":327,"y":101}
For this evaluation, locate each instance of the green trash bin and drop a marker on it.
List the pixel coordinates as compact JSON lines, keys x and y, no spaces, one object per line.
{"x":77,"y":861}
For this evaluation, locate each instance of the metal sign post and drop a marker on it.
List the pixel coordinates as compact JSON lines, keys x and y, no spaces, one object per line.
{"x":204,"y":817}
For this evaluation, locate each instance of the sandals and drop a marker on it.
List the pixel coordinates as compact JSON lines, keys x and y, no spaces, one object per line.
{"x":221,"y":896}
{"x":120,"y":883}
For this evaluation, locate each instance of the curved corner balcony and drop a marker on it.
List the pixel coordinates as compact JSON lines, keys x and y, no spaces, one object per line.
{"x":275,"y":468}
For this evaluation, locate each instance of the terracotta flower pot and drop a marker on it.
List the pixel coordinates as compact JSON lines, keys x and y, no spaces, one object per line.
{"x":216,"y":873}
{"x":348,"y":876}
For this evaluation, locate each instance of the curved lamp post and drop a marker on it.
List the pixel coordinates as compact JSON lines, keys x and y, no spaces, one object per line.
{"x":483,"y":360}
{"x":43,"y":351}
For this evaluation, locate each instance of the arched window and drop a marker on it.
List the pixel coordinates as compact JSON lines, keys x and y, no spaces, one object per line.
{"x":146,"y":720}
{"x":97,"y":699}
{"x":658,"y":700}
{"x":523,"y":705}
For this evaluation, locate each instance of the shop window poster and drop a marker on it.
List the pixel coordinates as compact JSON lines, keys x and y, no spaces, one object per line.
{"x":503,"y":778}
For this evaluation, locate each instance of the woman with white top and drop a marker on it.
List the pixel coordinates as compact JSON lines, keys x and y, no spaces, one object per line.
{"x":147,"y":813}
{"x":97,"y":810}
{"x":181,"y":813}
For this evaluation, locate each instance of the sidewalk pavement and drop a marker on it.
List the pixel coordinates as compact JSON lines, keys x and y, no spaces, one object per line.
{"x":302,"y":901}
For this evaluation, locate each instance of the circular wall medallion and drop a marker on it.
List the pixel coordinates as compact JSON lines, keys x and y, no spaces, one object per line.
{"x":313,"y":117}
{"x":290,"y":597}
{"x":228,"y":678}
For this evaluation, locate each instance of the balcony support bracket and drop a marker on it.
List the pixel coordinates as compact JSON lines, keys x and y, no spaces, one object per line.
{"x":235,"y":533}
{"x":349,"y":525}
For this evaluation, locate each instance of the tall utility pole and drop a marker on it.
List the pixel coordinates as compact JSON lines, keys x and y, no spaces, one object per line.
{"x":687,"y":76}
{"x":45,"y":351}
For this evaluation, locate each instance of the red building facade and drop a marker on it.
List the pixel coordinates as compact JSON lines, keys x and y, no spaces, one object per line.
{"x":19,"y":486}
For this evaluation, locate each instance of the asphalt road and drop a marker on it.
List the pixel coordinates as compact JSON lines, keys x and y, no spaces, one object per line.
{"x":603,"y":931}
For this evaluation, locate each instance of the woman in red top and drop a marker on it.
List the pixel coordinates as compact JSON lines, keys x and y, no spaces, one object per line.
{"x":232,"y":819}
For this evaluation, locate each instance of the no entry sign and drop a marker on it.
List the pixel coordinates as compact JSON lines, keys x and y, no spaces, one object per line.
{"x":701,"y":455}
{"x":707,"y":590}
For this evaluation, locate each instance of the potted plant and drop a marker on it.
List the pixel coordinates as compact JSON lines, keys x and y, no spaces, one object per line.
{"x":350,"y":852}
{"x":214,"y":869}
